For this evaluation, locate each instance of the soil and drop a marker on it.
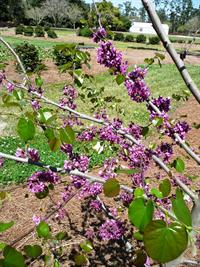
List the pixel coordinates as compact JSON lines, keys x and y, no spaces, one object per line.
{"x":134,"y":57}
{"x":21,"y":205}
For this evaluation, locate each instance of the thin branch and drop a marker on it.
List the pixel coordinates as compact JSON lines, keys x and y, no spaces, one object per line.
{"x":180,"y":141}
{"x":98,"y":14}
{"x":171,"y":50}
{"x":91,"y":178}
{"x":129,"y":137}
{"x":45,"y":218}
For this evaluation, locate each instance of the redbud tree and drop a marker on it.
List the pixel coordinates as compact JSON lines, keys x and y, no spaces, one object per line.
{"x":154,"y":224}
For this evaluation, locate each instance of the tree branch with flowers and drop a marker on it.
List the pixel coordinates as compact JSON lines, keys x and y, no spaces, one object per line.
{"x":160,"y":220}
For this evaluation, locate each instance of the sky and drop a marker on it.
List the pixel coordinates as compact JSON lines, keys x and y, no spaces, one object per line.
{"x":137,"y":3}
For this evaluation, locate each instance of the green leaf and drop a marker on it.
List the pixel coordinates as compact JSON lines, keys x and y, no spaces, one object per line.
{"x":111,"y":188}
{"x":43,"y":229}
{"x":155,"y":192}
{"x":140,"y":213}
{"x":165,"y":187}
{"x":39,"y":81}
{"x":67,"y":135}
{"x":141,"y":258}
{"x":157,"y":122}
{"x":80,"y":259}
{"x":145,"y":131}
{"x":180,"y":209}
{"x":61,"y":236}
{"x":86,"y":246}
{"x":120,"y":79}
{"x":54,"y":144}
{"x":33,"y":251}
{"x":138,"y":192}
{"x":2,"y":245}
{"x":161,"y":56}
{"x":163,"y":242}
{"x":179,"y":165}
{"x":138,"y":236}
{"x":26,"y":129}
{"x":43,"y":194}
{"x":13,"y":258}
{"x":56,"y":263}
{"x":5,"y":226}
{"x":149,"y":61}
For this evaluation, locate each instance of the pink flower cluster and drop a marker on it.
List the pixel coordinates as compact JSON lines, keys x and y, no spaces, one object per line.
{"x":31,"y":153}
{"x":70,"y":94}
{"x":111,"y":230}
{"x":38,"y":181}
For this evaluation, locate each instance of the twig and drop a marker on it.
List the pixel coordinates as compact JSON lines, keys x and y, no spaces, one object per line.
{"x":44,"y":219}
{"x":171,"y":50}
{"x":88,"y":176}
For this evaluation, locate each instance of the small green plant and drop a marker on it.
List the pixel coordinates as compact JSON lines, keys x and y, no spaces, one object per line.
{"x":39,"y":31}
{"x":141,"y":38}
{"x":28,"y":31}
{"x":67,"y":56}
{"x":29,"y":55}
{"x":19,"y":29}
{"x":85,"y":32}
{"x":154,"y":40}
{"x":118,"y":36}
{"x":129,"y":38}
{"x":51,"y":34}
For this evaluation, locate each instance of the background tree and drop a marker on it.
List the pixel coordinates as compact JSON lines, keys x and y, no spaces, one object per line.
{"x":36,"y":13}
{"x":74,"y":13}
{"x":11,"y":10}
{"x":111,"y":17}
{"x":56,"y":10}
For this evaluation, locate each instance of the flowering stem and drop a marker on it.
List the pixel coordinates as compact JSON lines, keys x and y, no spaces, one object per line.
{"x":89,"y":177}
{"x":171,"y":50}
{"x":180,"y":141}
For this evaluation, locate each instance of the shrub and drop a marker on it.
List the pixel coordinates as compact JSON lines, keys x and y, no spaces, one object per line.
{"x":29,"y":56}
{"x":62,"y":55}
{"x":154,"y":40}
{"x":129,"y":38}
{"x":110,"y":35}
{"x":47,"y":28}
{"x":51,"y":34}
{"x":141,"y":38}
{"x":39,"y":31}
{"x":28,"y":31}
{"x":19,"y":29}
{"x":118,"y":36}
{"x":85,"y":32}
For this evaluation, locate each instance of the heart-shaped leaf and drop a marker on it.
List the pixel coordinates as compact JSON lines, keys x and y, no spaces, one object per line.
{"x":43,"y":229}
{"x":13,"y":258}
{"x":111,"y":188}
{"x":33,"y":251}
{"x":5,"y":226}
{"x":140,"y":213}
{"x":163,"y":242}
{"x":165,"y":187}
{"x":180,"y":209}
{"x":26,"y":129}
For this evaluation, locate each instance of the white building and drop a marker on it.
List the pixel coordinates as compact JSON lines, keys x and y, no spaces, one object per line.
{"x":146,"y":28}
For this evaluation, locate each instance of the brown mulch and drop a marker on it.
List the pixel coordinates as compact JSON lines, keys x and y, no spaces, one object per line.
{"x":22,"y":205}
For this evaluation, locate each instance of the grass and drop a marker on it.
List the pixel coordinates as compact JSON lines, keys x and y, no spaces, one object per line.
{"x":13,"y":172}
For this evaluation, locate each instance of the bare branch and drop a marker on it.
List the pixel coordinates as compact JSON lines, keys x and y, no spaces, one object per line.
{"x":170,"y":49}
